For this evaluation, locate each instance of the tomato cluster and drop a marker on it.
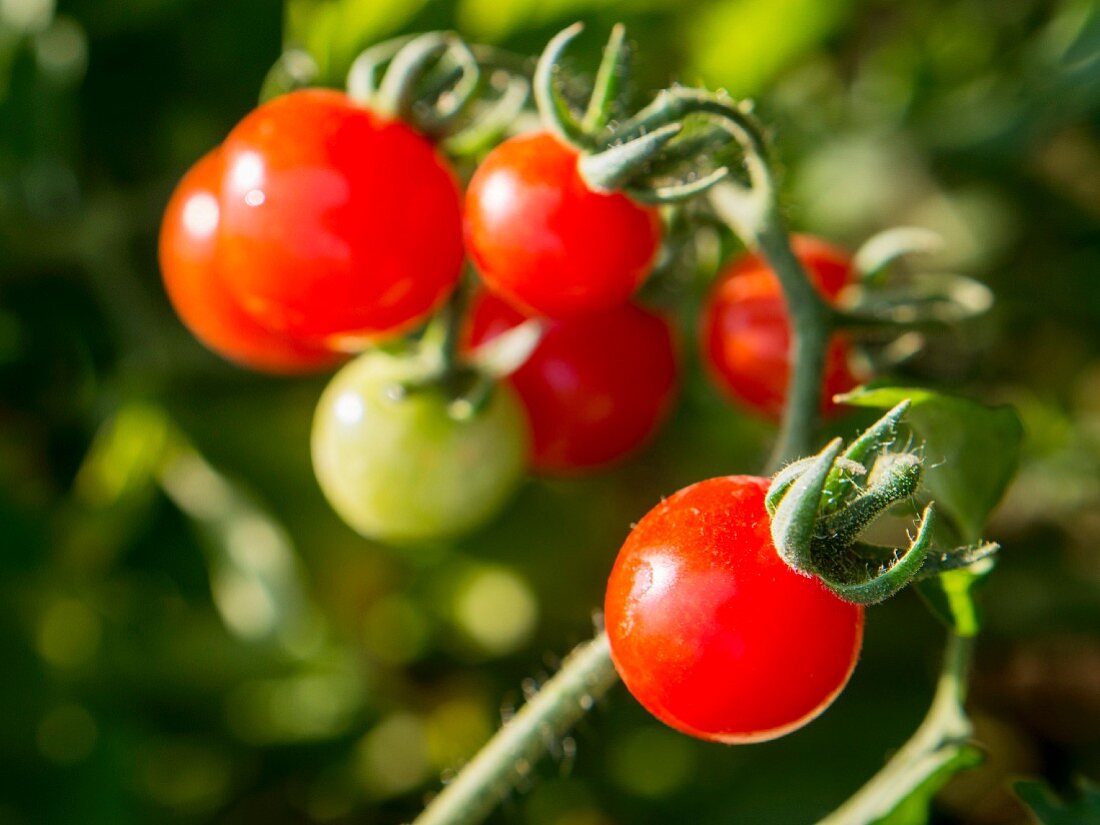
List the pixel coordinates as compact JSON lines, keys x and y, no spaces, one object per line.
{"x":321,"y":227}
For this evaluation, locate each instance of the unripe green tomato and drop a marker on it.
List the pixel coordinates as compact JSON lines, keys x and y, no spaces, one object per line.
{"x":399,"y":468}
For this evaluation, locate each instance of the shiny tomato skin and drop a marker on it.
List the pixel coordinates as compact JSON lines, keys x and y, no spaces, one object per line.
{"x":596,"y":388}
{"x":746,"y":331}
{"x":547,"y":243}
{"x":194,"y":280}
{"x":709,"y":628}
{"x":339,"y":226}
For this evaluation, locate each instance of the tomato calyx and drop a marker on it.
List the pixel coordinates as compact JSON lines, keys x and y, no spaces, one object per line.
{"x":679,"y":146}
{"x":461,"y":95}
{"x":466,"y":378}
{"x":820,"y":505}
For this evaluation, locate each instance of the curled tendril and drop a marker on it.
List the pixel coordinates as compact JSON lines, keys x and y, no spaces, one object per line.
{"x":820,"y":505}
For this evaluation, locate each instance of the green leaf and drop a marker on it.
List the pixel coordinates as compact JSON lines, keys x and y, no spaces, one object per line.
{"x":971,"y":450}
{"x":1050,"y":810}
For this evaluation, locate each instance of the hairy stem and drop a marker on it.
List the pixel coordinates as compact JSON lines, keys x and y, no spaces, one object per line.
{"x":754,"y":215}
{"x":585,"y":676}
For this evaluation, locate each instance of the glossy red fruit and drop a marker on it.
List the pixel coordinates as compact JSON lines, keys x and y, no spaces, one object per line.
{"x":338,"y":225}
{"x":546,"y":242}
{"x":746,"y":331}
{"x":596,"y":388}
{"x":712,"y":632}
{"x":193,"y":277}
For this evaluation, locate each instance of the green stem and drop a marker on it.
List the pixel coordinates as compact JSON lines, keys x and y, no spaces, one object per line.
{"x":754,"y":215}
{"x":940,"y":739}
{"x":586,"y":675}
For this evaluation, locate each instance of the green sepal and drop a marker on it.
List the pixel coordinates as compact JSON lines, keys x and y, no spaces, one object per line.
{"x":556,"y":112}
{"x":959,"y":558}
{"x":492,"y":123}
{"x":407,"y":68}
{"x":873,"y":259}
{"x":878,"y":436}
{"x":366,"y":71}
{"x":783,"y":481}
{"x":868,"y":574}
{"x":794,"y":520}
{"x":507,"y":352}
{"x":431,"y":81}
{"x":611,"y":77}
{"x":894,"y":477}
{"x":929,"y":300}
{"x":820,"y":505}
{"x":644,"y":154}
{"x":612,"y":168}
{"x":673,"y":193}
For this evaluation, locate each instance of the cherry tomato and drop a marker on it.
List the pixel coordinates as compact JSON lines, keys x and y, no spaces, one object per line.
{"x":709,"y":628}
{"x":338,"y":225}
{"x":398,"y":468}
{"x":546,"y":242}
{"x":193,"y":278}
{"x":595,"y":389}
{"x":746,"y":332}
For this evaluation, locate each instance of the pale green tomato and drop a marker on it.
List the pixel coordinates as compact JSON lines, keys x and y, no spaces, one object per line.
{"x":401,"y":469}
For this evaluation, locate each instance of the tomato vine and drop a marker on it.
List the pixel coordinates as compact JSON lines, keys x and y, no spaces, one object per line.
{"x":421,"y":436}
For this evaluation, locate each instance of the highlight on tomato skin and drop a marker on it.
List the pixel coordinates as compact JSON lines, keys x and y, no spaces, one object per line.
{"x":712,"y":632}
{"x":194,"y":280}
{"x":596,"y":389}
{"x":547,"y":243}
{"x":339,"y":226}
{"x":745,"y":330}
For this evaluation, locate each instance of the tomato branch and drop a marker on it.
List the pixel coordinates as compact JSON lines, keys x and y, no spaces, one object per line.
{"x":753,"y":214}
{"x":586,"y":675}
{"x":939,"y":746}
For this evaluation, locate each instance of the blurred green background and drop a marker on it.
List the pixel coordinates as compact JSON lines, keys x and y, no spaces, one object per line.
{"x":188,"y":634}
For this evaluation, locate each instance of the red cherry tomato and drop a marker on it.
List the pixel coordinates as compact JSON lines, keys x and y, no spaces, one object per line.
{"x":596,"y":388}
{"x":338,"y":225}
{"x":193,"y":278}
{"x":746,"y":332}
{"x":546,"y":242}
{"x":709,"y":628}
